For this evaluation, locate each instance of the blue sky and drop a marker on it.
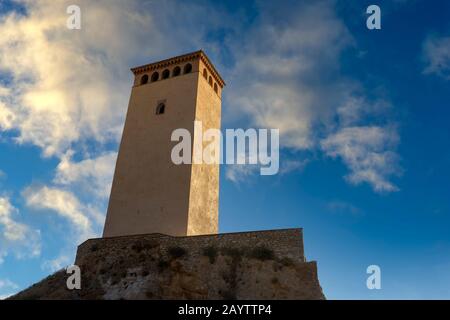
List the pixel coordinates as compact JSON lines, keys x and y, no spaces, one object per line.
{"x":362,"y":114}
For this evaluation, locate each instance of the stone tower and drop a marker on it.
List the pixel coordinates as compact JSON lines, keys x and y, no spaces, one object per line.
{"x":151,"y":194}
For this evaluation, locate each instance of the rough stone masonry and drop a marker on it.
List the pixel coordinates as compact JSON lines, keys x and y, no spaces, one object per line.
{"x":246,"y":265}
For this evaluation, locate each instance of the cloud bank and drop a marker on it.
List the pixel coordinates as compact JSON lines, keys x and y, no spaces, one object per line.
{"x":436,"y":51}
{"x":16,"y":236}
{"x":287,"y":75}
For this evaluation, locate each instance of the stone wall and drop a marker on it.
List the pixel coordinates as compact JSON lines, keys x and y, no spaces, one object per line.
{"x":245,"y":265}
{"x":284,"y":243}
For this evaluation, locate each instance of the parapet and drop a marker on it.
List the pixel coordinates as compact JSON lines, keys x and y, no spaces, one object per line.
{"x":283,"y":242}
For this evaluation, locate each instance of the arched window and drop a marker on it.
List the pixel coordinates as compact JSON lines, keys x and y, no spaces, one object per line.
{"x":176,"y":71}
{"x":187,"y":68}
{"x":210,"y":81}
{"x":144,"y":79}
{"x":160,"y":108}
{"x":215,"y":87}
{"x":205,"y":73}
{"x":166,"y":74}
{"x":155,"y":76}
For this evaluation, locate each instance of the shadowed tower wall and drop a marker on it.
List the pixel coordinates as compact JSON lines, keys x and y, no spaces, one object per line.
{"x":151,"y":194}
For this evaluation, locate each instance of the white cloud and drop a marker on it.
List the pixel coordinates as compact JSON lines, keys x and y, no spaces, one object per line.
{"x":6,"y":117}
{"x":15,"y":236}
{"x":72,"y":86}
{"x":289,"y":165}
{"x":283,"y":69}
{"x":366,"y":152}
{"x":287,"y":76}
{"x":65,"y":204}
{"x":240,"y":172}
{"x":9,"y":287}
{"x":5,"y":296}
{"x":12,"y":230}
{"x":4,"y":91}
{"x":355,"y":108}
{"x":91,"y":178}
{"x":7,"y":284}
{"x":279,"y":106}
{"x":57,"y":263}
{"x":342,"y":207}
{"x":436,"y":52}
{"x":93,"y":175}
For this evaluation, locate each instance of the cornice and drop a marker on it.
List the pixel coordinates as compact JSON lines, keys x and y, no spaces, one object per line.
{"x":181,"y":59}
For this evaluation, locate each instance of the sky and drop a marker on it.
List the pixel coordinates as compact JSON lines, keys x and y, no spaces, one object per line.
{"x":363,"y":119}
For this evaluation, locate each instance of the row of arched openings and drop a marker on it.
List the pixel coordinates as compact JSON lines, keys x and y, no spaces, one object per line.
{"x":210,"y":80}
{"x":166,"y":74}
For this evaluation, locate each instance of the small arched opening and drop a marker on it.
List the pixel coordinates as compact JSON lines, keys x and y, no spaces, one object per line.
{"x":155,"y":76}
{"x":166,"y":74}
{"x":210,"y":81}
{"x":187,"y":68}
{"x":160,"y":108}
{"x":176,"y":72}
{"x":205,"y":73}
{"x":144,"y":79}
{"x":216,"y":89}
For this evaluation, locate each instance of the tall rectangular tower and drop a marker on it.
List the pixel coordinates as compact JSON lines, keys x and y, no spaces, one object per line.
{"x":151,"y":194}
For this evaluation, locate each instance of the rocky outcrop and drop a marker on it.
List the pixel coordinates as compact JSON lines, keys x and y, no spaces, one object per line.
{"x":247,"y":265}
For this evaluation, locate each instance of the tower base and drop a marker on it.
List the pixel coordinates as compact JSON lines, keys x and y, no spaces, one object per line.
{"x":244,"y":265}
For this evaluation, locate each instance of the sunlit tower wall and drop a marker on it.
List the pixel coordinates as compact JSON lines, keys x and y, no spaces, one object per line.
{"x":151,"y":194}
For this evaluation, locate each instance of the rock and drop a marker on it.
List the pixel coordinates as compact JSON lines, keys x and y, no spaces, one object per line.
{"x":246,"y":265}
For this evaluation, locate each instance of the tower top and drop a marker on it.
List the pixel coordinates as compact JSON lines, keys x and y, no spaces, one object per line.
{"x":200,"y":54}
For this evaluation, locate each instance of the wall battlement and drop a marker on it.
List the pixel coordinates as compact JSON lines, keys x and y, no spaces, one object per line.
{"x":283,"y":242}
